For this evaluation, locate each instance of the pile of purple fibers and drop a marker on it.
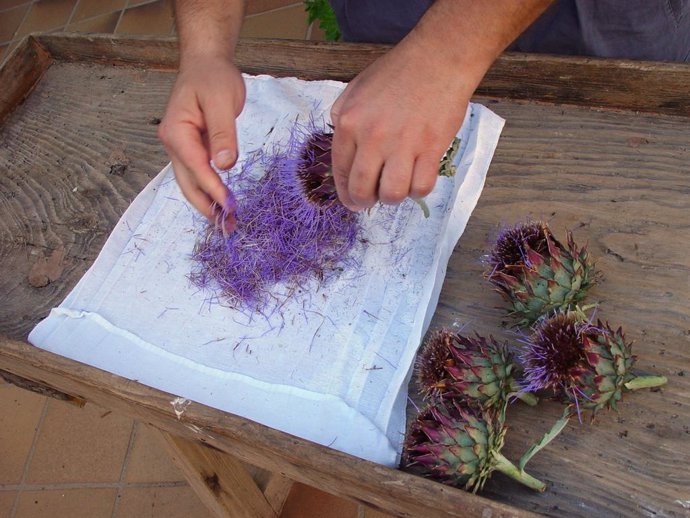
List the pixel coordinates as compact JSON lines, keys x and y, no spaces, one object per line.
{"x":291,"y":229}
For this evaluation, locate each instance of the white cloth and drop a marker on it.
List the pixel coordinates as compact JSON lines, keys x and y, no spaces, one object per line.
{"x":333,"y":364}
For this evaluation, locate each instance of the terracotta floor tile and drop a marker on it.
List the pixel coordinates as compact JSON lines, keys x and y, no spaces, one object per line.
{"x":290,"y":22}
{"x":6,"y":502}
{"x":66,"y":503}
{"x":149,"y":461}
{"x":80,"y":445}
{"x":20,"y":411}
{"x":161,"y":502}
{"x":372,"y":513}
{"x":105,"y":23}
{"x":307,"y":502}
{"x":91,"y":8}
{"x":6,"y":4}
{"x":259,"y":6}
{"x":10,"y":21}
{"x":3,"y":50}
{"x":46,"y":15}
{"x":153,"y":18}
{"x":316,"y":33}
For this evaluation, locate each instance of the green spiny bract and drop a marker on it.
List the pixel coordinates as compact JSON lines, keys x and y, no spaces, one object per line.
{"x":460,"y":445}
{"x":536,"y":274}
{"x":451,"y":365}
{"x":590,"y":366}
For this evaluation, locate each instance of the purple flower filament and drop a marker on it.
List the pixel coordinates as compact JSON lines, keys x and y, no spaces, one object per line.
{"x":290,"y":227}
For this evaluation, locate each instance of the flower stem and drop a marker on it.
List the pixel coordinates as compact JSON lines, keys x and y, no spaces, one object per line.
{"x":505,"y":466}
{"x":526,"y":397}
{"x":645,"y":382}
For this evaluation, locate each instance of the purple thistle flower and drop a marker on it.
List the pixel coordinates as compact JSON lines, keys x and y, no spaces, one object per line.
{"x":281,"y":236}
{"x":553,"y":357}
{"x":587,"y":365}
{"x":513,"y":244}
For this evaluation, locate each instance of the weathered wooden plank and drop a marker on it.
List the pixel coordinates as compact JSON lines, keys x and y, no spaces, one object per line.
{"x":275,"y":486}
{"x":276,"y":491}
{"x":222,"y":483}
{"x":622,"y":183}
{"x":20,"y":73}
{"x":41,"y":389}
{"x":614,"y":84}
{"x":72,"y":159}
{"x":382,"y":488}
{"x":620,"y":178}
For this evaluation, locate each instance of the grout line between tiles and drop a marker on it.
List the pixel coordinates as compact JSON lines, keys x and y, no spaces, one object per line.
{"x":122,"y":13}
{"x":90,"y":485}
{"x":97,"y":16}
{"x":26,"y":15}
{"x":5,"y":9}
{"x":29,"y":458}
{"x":123,"y":471}
{"x":71,"y":14}
{"x":140,"y":3}
{"x":277,"y":9}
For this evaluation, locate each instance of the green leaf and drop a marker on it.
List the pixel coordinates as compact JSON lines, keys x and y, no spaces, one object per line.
{"x":321,"y":10}
{"x":545,"y":440}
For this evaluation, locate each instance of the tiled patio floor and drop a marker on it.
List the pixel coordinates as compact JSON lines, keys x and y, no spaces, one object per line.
{"x":60,"y":461}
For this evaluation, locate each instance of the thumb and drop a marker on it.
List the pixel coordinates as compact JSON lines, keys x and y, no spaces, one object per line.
{"x":222,"y":135}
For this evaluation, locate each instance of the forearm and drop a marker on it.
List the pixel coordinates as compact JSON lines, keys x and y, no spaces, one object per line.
{"x":469,"y":34}
{"x":208,"y":27}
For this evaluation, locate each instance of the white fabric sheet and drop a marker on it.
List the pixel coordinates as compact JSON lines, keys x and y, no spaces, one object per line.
{"x":333,"y":364}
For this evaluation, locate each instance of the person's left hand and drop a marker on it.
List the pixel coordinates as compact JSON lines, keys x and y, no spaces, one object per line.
{"x":394,"y":122}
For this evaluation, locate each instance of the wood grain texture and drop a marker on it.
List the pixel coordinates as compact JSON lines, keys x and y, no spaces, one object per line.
{"x":625,"y":85}
{"x":71,"y":161}
{"x":222,"y":483}
{"x":620,"y":179}
{"x":622,"y":183}
{"x":382,"y":488}
{"x":20,"y":73}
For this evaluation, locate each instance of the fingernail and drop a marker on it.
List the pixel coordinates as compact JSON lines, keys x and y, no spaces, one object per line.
{"x":224,"y":158}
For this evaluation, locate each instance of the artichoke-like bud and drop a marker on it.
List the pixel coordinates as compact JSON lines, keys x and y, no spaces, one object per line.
{"x":452,"y":365}
{"x":590,"y":366}
{"x":315,"y":170}
{"x":536,"y":274}
{"x":460,"y":445}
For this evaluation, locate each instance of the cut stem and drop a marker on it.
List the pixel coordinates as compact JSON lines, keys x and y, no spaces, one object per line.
{"x":546,"y":439}
{"x":646,"y":382}
{"x":505,"y":466}
{"x":526,"y":397}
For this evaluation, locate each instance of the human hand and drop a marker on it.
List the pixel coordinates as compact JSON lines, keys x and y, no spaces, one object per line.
{"x":199,"y":125}
{"x":393,"y":124}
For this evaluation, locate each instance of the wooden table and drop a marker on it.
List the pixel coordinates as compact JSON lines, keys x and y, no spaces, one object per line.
{"x":602,"y":147}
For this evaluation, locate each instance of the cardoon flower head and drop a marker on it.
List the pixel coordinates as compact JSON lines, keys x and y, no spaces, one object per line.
{"x":536,"y":274}
{"x":587,"y":365}
{"x":460,"y":445}
{"x":454,"y":366}
{"x":315,"y":170}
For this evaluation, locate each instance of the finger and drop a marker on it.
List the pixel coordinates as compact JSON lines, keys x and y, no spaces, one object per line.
{"x":424,"y":175}
{"x":200,"y":200}
{"x":362,"y":186}
{"x":396,"y":179}
{"x":186,"y":145}
{"x":222,"y":133}
{"x":342,"y":154}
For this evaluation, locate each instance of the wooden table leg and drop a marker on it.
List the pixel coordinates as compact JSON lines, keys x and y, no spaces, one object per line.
{"x":224,"y":484}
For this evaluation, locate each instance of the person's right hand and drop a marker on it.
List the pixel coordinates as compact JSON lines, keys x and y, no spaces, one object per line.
{"x":199,"y":125}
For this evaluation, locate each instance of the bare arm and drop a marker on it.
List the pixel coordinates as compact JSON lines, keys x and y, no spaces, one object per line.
{"x":209,"y":94}
{"x":394,"y":121}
